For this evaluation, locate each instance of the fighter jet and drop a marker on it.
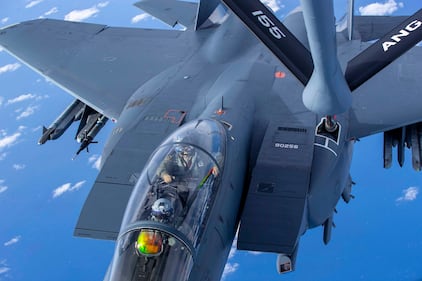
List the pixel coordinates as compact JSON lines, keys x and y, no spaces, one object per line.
{"x":239,"y":121}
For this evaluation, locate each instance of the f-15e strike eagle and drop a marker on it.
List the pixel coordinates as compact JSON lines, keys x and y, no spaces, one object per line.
{"x":239,"y":121}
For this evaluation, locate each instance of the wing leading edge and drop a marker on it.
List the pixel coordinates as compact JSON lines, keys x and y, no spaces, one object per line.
{"x":100,"y":65}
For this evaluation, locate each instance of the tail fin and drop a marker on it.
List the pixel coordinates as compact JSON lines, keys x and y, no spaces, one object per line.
{"x":169,"y":11}
{"x":172,"y":12}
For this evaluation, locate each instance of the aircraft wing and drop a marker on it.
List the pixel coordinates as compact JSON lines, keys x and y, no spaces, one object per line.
{"x":100,"y":65}
{"x":391,"y":99}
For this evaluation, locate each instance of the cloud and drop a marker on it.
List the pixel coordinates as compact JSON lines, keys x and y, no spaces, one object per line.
{"x":9,"y":67}
{"x":12,"y":241}
{"x":140,"y":17}
{"x":96,"y":161}
{"x":233,"y":249}
{"x":7,"y":141}
{"x":67,"y":187}
{"x":51,"y":11}
{"x":21,"y":98}
{"x":3,"y":188}
{"x":1,"y":49}
{"x":37,"y":129}
{"x":4,"y":20}
{"x":380,"y":9}
{"x":102,"y":4}
{"x":255,"y":253}
{"x":231,"y":267}
{"x":409,"y":194}
{"x":33,"y":3}
{"x":27,"y":112}
{"x":4,"y":269}
{"x":80,"y":15}
{"x":274,"y":5}
{"x":1,"y":100}
{"x":3,"y":156}
{"x":19,"y":167}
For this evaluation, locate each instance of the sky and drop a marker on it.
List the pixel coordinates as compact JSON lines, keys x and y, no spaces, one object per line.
{"x":378,"y":235}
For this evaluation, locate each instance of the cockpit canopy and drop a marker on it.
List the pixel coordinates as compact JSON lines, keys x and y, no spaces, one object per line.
{"x":169,"y":206}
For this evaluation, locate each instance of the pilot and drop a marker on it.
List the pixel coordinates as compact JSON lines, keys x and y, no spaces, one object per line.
{"x":182,"y":163}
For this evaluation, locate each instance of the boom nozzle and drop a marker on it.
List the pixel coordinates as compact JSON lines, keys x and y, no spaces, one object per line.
{"x":327,"y":92}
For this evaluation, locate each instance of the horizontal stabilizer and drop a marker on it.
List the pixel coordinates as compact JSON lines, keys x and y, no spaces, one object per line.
{"x":282,"y":43}
{"x":170,"y":11}
{"x":380,"y":54}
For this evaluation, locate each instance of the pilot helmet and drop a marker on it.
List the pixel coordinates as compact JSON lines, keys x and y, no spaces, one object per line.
{"x":162,"y":210}
{"x":185,"y":150}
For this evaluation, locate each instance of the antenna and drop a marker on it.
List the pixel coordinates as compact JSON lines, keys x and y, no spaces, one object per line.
{"x":350,"y":16}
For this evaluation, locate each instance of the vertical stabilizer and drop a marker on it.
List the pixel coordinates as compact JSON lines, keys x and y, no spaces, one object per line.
{"x":205,"y":9}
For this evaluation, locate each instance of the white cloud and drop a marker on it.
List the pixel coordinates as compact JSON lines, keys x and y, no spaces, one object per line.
{"x":21,"y":98}
{"x":37,"y":129}
{"x":95,"y":160}
{"x":231,"y":267}
{"x":67,"y":187}
{"x":12,"y":241}
{"x":27,"y":112}
{"x":1,"y":49}
{"x":103,"y":4}
{"x":4,"y":20}
{"x":3,"y":188}
{"x":233,"y":249}
{"x":7,"y":141}
{"x":33,"y":3}
{"x":140,"y":17}
{"x":254,"y":253}
{"x":409,"y":194}
{"x":380,"y":9}
{"x":274,"y":5}
{"x":19,"y":167}
{"x":42,"y":97}
{"x":51,"y":11}
{"x":80,"y":15}
{"x":4,"y":269}
{"x":9,"y":67}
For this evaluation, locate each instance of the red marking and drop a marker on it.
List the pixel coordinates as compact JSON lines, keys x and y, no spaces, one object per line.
{"x":279,"y":74}
{"x":175,"y":116}
{"x":220,"y":112}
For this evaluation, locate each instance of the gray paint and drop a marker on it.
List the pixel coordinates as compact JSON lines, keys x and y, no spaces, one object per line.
{"x":203,"y":68}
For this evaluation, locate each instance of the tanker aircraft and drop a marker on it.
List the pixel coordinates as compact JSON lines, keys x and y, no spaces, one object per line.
{"x":239,"y":121}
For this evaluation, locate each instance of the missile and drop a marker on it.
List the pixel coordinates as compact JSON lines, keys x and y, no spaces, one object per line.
{"x":94,"y":124}
{"x":60,"y":125}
